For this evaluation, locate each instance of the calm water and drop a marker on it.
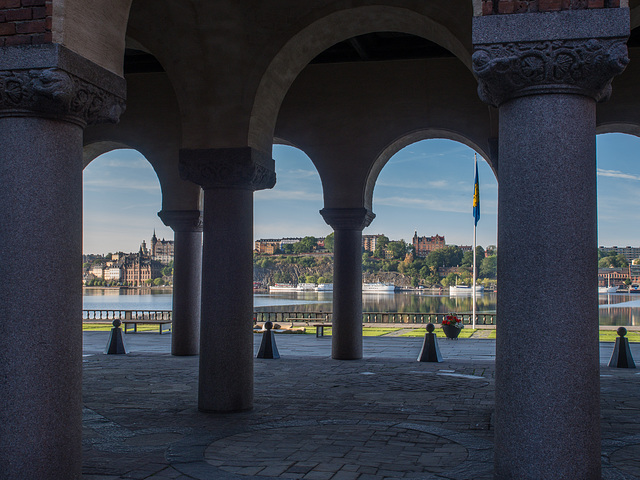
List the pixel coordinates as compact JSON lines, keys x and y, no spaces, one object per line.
{"x":615,"y":309}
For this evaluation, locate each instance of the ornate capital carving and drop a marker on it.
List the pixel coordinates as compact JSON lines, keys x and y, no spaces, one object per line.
{"x":347,"y":218}
{"x":242,"y":167}
{"x":54,"y":82}
{"x":514,"y":69}
{"x":182,"y":220}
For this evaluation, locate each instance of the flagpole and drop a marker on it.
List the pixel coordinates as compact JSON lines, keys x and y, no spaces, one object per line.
{"x":473,"y":290}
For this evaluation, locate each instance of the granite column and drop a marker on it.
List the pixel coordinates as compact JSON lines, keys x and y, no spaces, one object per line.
{"x":47,"y":96}
{"x":347,"y":223}
{"x":229,"y":177}
{"x":545,"y":73}
{"x":187,"y":272}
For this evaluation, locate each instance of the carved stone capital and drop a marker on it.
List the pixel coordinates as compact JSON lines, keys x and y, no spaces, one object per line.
{"x":182,"y":220}
{"x":347,"y":218}
{"x":566,"y":52}
{"x":242,"y":167}
{"x":51,"y":81}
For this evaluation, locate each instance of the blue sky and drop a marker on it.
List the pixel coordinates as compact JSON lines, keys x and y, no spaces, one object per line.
{"x":427,"y":186}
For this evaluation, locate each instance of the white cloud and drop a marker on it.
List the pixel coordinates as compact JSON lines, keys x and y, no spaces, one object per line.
{"x":617,"y":174}
{"x":297,"y":195}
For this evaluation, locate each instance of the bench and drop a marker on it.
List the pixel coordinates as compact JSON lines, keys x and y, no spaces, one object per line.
{"x":131,"y":326}
{"x":320,"y":328}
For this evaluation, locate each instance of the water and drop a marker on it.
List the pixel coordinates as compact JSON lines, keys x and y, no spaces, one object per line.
{"x":619,"y":309}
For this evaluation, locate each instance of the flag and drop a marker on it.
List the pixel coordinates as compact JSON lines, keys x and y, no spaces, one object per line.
{"x":476,"y":196}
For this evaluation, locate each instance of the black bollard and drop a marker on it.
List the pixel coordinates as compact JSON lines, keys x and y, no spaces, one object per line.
{"x":621,"y":356}
{"x":115,"y":345}
{"x":268,"y":347}
{"x":430,"y":351}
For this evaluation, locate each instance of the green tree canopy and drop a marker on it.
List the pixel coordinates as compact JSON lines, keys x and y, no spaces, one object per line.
{"x":450,"y":256}
{"x":328,"y":242}
{"x":488,"y":267}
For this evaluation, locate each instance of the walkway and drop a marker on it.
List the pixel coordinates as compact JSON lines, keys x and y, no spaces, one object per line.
{"x":384,"y":417}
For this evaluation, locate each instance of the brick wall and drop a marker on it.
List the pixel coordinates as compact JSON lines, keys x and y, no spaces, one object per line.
{"x":497,"y":7}
{"x":25,"y":21}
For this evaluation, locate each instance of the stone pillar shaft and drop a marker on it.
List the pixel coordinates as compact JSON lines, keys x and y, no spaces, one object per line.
{"x":547,"y":354}
{"x":187,"y":273}
{"x":346,"y":339}
{"x":347,"y":223}
{"x":229,"y":177}
{"x":545,"y":73}
{"x":47,"y":95}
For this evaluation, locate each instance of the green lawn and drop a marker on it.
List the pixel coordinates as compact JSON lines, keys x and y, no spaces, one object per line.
{"x":104,"y":327}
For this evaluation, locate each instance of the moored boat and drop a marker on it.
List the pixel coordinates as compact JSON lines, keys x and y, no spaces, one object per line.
{"x":465,"y":289}
{"x":378,"y":287}
{"x":324,"y":287}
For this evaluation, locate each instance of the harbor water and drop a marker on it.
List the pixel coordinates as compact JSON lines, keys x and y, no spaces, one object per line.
{"x":618,"y":309}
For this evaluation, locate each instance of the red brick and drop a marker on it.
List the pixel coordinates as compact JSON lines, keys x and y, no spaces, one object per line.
{"x":550,"y":5}
{"x":49,"y":7}
{"x":9,"y":3}
{"x":596,"y":3}
{"x":39,"y":12}
{"x":1,"y":42}
{"x":613,"y":3}
{"x":521,"y":7}
{"x":17,"y":40}
{"x":7,"y":28}
{"x":34,"y":26}
{"x":33,"y":3}
{"x":48,"y":21}
{"x":506,"y":6}
{"x":487,"y":8}
{"x":48,"y":37}
{"x":18,"y":14}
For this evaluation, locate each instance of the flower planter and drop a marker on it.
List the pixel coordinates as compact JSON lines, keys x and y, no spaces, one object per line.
{"x":450,"y":331}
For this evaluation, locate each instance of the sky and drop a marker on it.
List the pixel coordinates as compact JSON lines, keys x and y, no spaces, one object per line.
{"x":426,"y":187}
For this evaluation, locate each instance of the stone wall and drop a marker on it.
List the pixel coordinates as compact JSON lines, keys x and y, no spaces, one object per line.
{"x":25,"y":22}
{"x":497,"y":7}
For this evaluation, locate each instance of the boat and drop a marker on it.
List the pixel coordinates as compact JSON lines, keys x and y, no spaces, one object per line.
{"x":324,"y":287}
{"x":634,"y":288}
{"x":465,"y":290}
{"x":282,"y":287}
{"x":378,"y":287}
{"x":289,"y":287}
{"x":608,"y":288}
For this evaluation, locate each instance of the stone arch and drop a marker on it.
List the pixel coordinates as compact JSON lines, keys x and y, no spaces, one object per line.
{"x":628,"y":128}
{"x":408,"y":139}
{"x":316,"y":37}
{"x":94,"y":29}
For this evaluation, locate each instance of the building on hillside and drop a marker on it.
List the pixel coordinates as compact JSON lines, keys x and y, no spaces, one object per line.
{"x":370,"y":242}
{"x":97,"y":271}
{"x":423,"y":246}
{"x":139,"y":268}
{"x":268,"y":246}
{"x":466,"y":248}
{"x":291,"y":240}
{"x":113,"y":274}
{"x":630,"y":253}
{"x":161,"y":250}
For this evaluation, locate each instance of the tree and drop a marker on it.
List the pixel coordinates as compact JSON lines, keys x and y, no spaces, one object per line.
{"x":488,"y":267}
{"x":158,"y":281}
{"x":328,"y":242}
{"x":450,"y":256}
{"x":287,"y":248}
{"x":381,"y":243}
{"x":398,"y":249}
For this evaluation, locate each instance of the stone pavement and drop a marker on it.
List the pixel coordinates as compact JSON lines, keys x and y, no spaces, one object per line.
{"x":384,"y":417}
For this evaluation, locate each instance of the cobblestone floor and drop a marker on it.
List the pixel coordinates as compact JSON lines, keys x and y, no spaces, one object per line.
{"x":384,"y":417}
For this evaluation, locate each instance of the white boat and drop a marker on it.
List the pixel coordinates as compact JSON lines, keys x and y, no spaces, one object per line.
{"x":607,"y":289}
{"x":378,"y":288}
{"x":289,"y":287}
{"x":324,"y":287}
{"x":465,"y":290}
{"x":282,"y":287}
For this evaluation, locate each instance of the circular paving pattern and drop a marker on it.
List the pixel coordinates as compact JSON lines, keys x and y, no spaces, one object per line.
{"x":295,"y":451}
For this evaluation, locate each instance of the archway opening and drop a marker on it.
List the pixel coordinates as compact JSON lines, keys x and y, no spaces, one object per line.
{"x":618,"y":232}
{"x":422,"y":237}
{"x":125,"y":244}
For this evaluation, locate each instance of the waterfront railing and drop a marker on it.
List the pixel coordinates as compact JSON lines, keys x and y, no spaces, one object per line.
{"x":103,"y":316}
{"x":375,"y":317}
{"x":122,"y":315}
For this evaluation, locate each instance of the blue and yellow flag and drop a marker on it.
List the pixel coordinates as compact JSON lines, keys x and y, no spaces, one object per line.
{"x":476,"y":197}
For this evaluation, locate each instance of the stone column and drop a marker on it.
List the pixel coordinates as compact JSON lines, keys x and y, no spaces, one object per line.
{"x":545,"y":72}
{"x":228,"y":176}
{"x":47,"y":96}
{"x":347,"y":223}
{"x":187,"y":271}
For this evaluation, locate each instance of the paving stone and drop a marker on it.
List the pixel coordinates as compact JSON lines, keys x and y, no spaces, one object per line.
{"x":386,"y":416}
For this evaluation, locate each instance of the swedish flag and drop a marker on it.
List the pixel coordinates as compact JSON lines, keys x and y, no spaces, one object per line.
{"x":476,"y":197}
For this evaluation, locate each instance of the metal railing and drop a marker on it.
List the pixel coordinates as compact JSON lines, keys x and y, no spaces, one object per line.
{"x":376,"y":317}
{"x":110,"y":315}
